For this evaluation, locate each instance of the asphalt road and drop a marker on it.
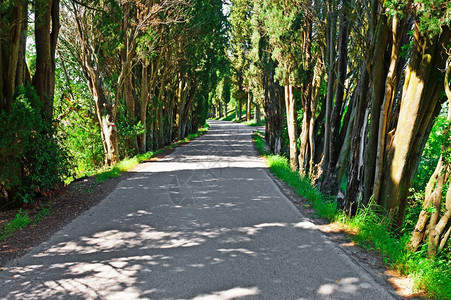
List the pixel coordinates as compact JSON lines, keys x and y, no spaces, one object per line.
{"x":205,"y":222}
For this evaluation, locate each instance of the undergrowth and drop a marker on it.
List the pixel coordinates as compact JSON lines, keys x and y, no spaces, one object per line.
{"x":22,"y":220}
{"x":433,"y":276}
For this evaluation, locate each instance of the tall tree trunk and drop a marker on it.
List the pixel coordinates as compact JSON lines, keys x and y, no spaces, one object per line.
{"x":249,"y":106}
{"x":47,"y":27}
{"x":429,"y":226}
{"x":331,"y":41}
{"x":354,"y":187}
{"x":290,"y":104}
{"x":273,"y":106}
{"x":257,"y":114}
{"x":13,"y":24}
{"x":419,"y":106}
{"x":387,"y":105}
{"x":377,"y":80}
{"x":144,"y":101}
{"x":307,"y":100}
{"x":329,"y":183}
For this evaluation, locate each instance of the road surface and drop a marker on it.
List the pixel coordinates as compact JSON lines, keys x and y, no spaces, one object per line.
{"x":205,"y":222}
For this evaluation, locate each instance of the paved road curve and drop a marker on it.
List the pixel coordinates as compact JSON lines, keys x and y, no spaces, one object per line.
{"x":205,"y":222}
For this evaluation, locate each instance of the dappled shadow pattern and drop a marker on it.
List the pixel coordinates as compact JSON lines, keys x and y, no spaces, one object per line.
{"x":198,"y":224}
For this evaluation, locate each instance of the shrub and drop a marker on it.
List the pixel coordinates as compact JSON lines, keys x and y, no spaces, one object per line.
{"x":32,"y":158}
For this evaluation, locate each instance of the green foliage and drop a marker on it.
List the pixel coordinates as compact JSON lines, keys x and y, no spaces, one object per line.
{"x":432,"y":15}
{"x":431,"y":153}
{"x":84,"y":143}
{"x":374,"y":232}
{"x":430,"y":275}
{"x":33,"y":160}
{"x":20,"y":221}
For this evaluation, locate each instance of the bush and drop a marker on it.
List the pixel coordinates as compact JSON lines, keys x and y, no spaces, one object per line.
{"x":32,"y":159}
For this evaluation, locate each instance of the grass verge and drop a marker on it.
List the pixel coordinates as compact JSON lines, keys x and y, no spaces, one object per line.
{"x":128,"y":163}
{"x":368,"y":230}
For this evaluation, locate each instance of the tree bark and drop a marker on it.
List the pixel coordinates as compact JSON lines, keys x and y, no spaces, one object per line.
{"x":377,"y":80}
{"x":354,"y":187}
{"x":329,"y":184}
{"x":290,"y":105}
{"x":249,"y":106}
{"x":13,"y":24}
{"x":46,"y":35}
{"x":435,"y":231}
{"x":387,"y":105}
{"x":273,"y":107}
{"x":419,"y":106}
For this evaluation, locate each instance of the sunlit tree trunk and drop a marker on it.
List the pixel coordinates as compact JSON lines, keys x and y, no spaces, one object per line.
{"x":290,"y":105}
{"x":377,"y":85}
{"x":257,"y":114}
{"x":385,"y":117}
{"x":104,"y":106}
{"x":249,"y":106}
{"x":419,"y":106}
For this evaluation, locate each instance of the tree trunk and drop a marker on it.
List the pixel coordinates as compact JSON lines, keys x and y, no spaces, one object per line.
{"x":435,"y":231}
{"x":290,"y":105}
{"x":387,"y":105}
{"x":329,"y":183}
{"x":257,"y":114}
{"x":144,"y":101}
{"x":330,"y":39}
{"x":354,"y":187}
{"x":419,"y":107}
{"x":377,"y":80}
{"x":13,"y":24}
{"x":249,"y":106}
{"x":273,"y":107}
{"x":46,"y":34}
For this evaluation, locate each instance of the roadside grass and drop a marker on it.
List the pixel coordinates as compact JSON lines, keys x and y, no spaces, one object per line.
{"x":23,"y":220}
{"x":369,"y":230}
{"x":128,"y":163}
{"x":280,"y":167}
{"x":254,"y":123}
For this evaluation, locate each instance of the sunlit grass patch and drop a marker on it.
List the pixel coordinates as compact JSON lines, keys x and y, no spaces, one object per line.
{"x":280,"y":167}
{"x":254,"y":123}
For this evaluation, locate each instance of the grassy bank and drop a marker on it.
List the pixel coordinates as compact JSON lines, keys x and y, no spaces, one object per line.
{"x":369,"y":230}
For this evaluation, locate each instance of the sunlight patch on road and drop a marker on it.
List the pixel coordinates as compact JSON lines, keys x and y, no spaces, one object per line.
{"x":233,"y":293}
